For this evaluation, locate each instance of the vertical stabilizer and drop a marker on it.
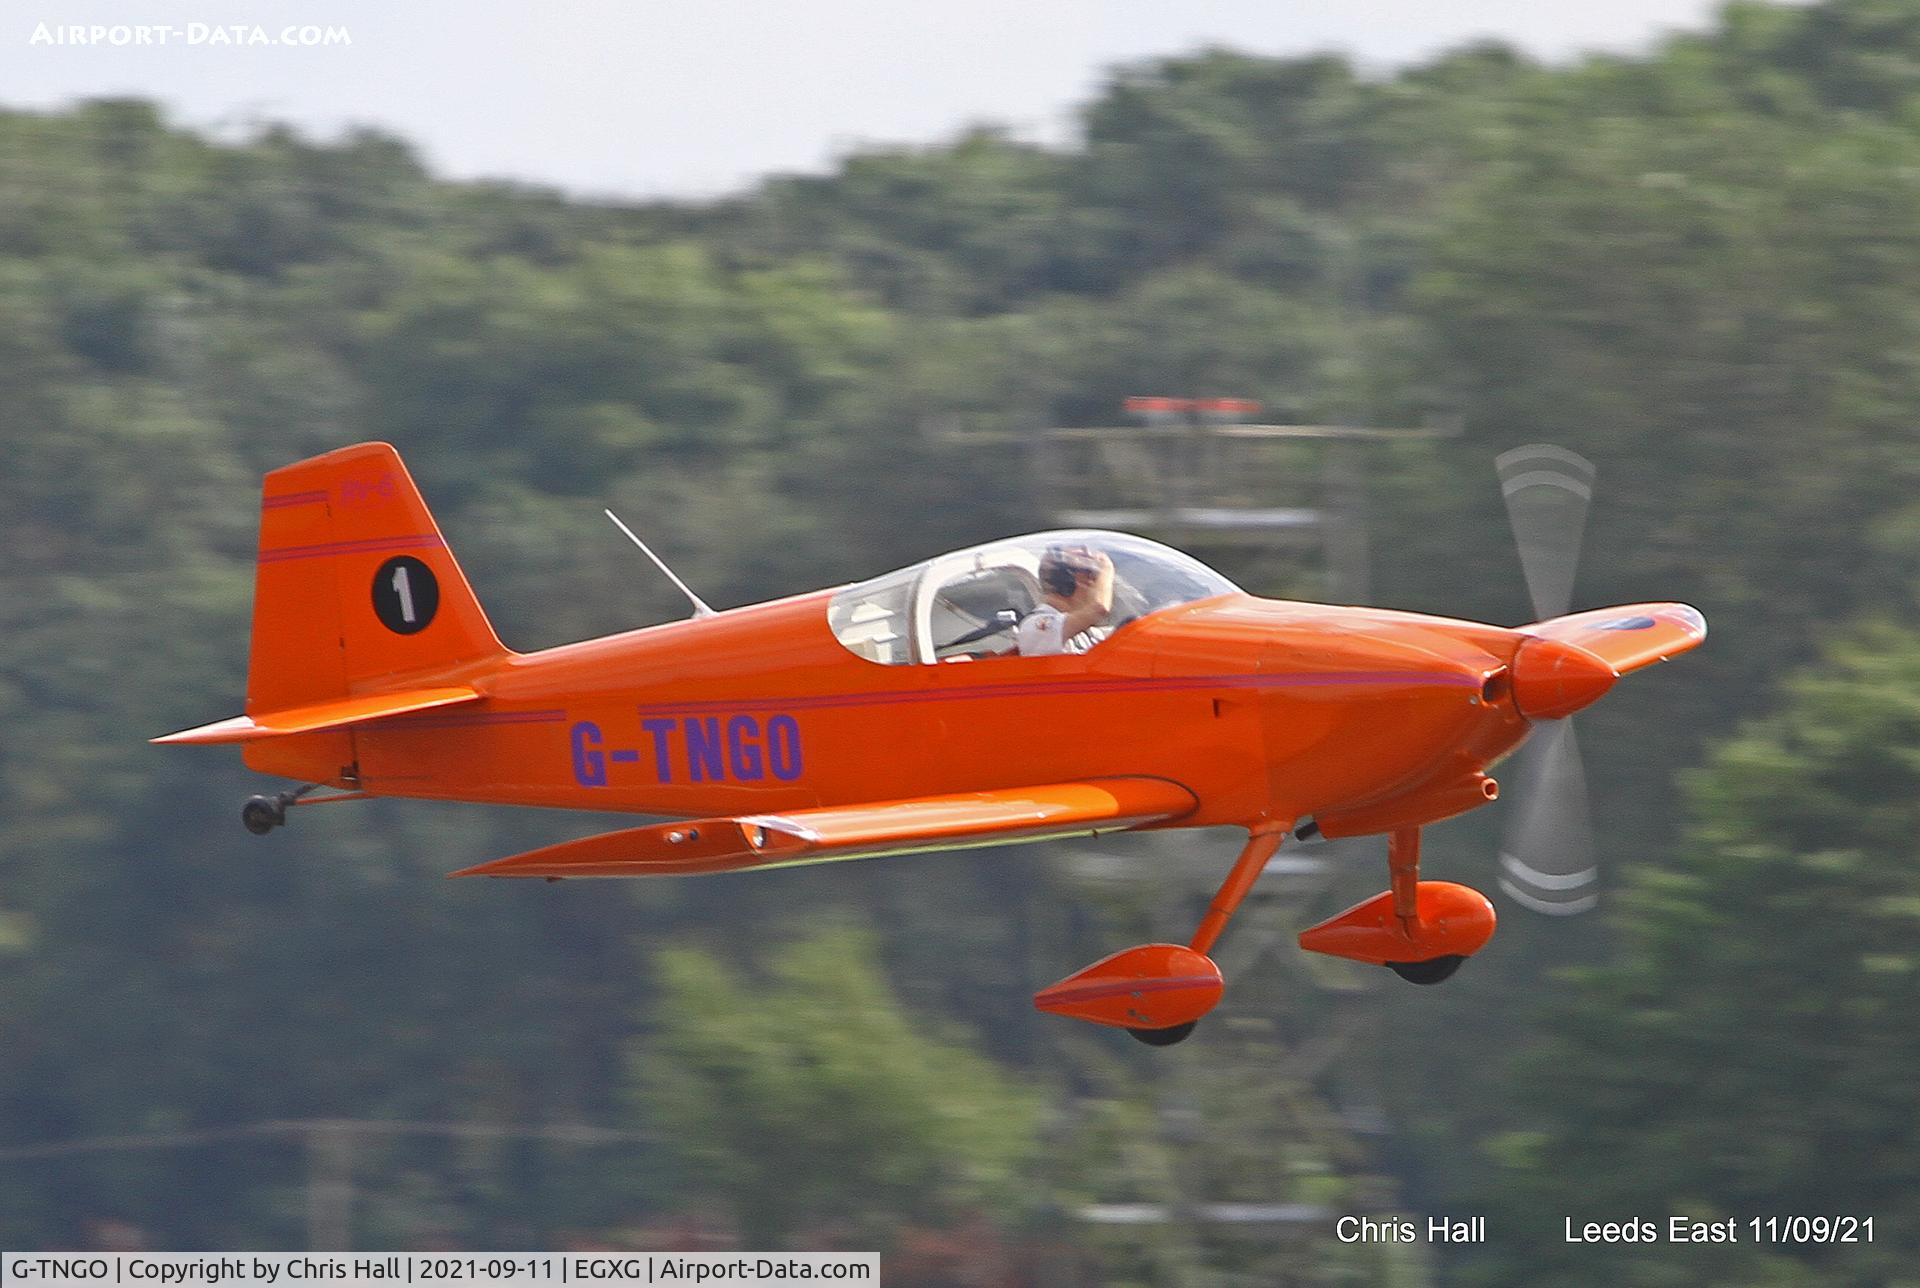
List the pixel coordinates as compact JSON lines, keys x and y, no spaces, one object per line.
{"x":356,"y":590}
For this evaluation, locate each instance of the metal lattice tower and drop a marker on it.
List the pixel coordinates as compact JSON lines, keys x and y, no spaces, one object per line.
{"x":1199,"y":475}
{"x":1271,"y":501}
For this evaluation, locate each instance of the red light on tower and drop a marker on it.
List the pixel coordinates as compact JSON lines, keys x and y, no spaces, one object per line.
{"x":1146,"y":405}
{"x":1227,"y":408}
{"x":1156,"y":409}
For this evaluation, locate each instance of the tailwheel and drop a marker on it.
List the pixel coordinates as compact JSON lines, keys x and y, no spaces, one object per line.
{"x":261,"y":814}
{"x":1164,"y":1037}
{"x":1433,"y":971}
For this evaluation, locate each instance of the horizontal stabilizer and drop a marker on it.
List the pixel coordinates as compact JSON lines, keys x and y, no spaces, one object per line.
{"x":855,"y":831}
{"x":325,"y":715}
{"x":1629,"y":637}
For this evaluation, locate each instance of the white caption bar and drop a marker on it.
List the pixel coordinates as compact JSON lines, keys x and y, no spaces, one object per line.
{"x":440,"y":1270}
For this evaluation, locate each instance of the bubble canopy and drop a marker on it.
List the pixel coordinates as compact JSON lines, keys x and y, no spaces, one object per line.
{"x":967,"y":605}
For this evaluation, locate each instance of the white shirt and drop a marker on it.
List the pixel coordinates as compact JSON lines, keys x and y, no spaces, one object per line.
{"x":1040,"y":631}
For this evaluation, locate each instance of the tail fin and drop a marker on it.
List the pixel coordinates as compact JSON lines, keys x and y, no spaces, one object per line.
{"x":356,"y":591}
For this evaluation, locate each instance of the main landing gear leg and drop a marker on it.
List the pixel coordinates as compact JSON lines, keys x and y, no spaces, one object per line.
{"x":1403,"y":876}
{"x":1403,"y":882}
{"x":1420,"y":930}
{"x":1157,"y":992}
{"x":1262,"y":843}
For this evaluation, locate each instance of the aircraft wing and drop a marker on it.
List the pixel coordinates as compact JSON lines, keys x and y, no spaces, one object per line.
{"x":1631,"y":636}
{"x":335,"y":714}
{"x":855,"y":831}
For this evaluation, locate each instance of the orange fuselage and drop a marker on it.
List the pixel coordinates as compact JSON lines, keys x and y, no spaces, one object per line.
{"x":1263,"y":709}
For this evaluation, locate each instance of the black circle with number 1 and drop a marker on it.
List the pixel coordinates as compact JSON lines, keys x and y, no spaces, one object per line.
{"x":406,"y":595}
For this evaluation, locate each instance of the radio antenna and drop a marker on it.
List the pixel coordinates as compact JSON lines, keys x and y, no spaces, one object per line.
{"x":700,"y":608}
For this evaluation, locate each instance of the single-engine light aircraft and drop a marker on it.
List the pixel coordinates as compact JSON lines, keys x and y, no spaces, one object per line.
{"x":1064,"y":684}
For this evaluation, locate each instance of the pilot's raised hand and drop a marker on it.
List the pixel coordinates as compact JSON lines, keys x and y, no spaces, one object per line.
{"x":1092,"y":601}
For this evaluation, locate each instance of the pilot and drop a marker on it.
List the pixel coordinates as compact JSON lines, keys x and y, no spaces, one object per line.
{"x":1076,"y":584}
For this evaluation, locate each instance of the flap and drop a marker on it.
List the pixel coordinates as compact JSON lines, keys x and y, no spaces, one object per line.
{"x":1629,"y":637}
{"x":855,"y":831}
{"x":326,"y":715}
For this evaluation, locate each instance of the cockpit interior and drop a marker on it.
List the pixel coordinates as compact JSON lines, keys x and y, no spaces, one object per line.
{"x":968,"y":605}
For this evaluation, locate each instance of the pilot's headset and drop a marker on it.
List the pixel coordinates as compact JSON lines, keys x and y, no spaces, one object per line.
{"x":1061,"y":568}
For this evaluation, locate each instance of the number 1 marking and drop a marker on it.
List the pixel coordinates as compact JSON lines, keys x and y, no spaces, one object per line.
{"x":402,"y":588}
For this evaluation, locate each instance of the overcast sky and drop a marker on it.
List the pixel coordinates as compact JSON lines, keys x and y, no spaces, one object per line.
{"x":695,"y":97}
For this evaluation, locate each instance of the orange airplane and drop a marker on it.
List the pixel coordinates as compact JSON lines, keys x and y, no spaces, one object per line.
{"x":1064,"y":684}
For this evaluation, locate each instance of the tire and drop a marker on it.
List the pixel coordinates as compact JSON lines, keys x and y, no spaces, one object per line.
{"x":1434,"y":971}
{"x":1164,"y":1037}
{"x":261,"y":814}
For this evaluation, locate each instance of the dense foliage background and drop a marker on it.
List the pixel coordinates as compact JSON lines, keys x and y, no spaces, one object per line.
{"x":1700,"y":268}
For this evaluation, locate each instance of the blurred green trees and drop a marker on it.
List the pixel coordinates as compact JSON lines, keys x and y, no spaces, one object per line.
{"x":813,"y":1105}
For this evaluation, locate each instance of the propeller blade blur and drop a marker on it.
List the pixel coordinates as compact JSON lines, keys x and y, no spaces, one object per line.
{"x":1546,"y":861}
{"x":1547,"y":490}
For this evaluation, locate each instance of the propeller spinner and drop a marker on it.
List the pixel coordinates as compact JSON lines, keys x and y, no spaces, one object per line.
{"x":1547,"y":859}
